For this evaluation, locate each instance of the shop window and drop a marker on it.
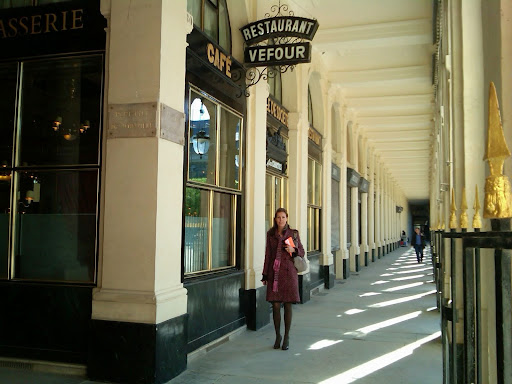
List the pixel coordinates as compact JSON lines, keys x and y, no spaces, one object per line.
{"x":314,"y":203}
{"x":276,"y":196}
{"x":212,"y":17}
{"x":51,"y":111}
{"x":213,"y":192}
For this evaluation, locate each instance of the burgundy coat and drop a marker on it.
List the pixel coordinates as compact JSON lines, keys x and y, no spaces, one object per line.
{"x":287,"y":282}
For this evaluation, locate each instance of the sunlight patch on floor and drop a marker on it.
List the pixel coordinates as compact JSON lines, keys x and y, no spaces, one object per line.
{"x":408,"y":277}
{"x":387,"y":323}
{"x":380,"y":282}
{"x":354,"y":311}
{"x":409,"y":266}
{"x":378,"y":363}
{"x":323,"y":344}
{"x":401,"y":300}
{"x":414,"y":270}
{"x":400,"y":287}
{"x":370,"y":294}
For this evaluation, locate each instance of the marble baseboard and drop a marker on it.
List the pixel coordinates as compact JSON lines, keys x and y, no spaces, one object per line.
{"x":137,"y":353}
{"x":256,"y":307}
{"x":329,"y":276}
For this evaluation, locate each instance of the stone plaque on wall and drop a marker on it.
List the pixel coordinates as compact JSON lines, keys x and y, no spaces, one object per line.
{"x":172,"y":124}
{"x":132,"y":120}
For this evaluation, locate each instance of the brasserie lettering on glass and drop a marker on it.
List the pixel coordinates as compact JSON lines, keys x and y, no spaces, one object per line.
{"x":42,"y":23}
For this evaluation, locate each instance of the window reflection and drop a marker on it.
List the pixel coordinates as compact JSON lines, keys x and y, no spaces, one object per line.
{"x":56,"y":225}
{"x":224,"y":28}
{"x":318,"y":184}
{"x":314,"y":203}
{"x":269,"y":206}
{"x":194,"y":8}
{"x":311,"y":180}
{"x":60,"y":111}
{"x":5,"y":202}
{"x":196,"y":230}
{"x":211,"y":21}
{"x":222,"y":231}
{"x":230,"y":150}
{"x":203,"y":117}
{"x":8,"y":79}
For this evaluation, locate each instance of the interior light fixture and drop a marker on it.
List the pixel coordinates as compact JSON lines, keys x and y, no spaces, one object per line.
{"x":201,"y":143}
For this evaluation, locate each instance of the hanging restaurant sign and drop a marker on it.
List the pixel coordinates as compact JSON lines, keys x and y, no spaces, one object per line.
{"x":284,"y":26}
{"x":276,"y":44}
{"x":285,"y":36}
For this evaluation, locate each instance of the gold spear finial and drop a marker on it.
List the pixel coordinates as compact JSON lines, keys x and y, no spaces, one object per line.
{"x":497,"y":186}
{"x":453,"y":209}
{"x":464,"y":208}
{"x":477,"y":222}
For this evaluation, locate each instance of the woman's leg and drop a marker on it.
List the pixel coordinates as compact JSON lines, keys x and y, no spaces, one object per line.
{"x":276,"y":314}
{"x":287,"y":324}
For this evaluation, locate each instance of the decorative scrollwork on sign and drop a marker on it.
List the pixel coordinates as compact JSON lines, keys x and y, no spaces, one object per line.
{"x":280,"y":10}
{"x":253,"y":75}
{"x":288,"y":40}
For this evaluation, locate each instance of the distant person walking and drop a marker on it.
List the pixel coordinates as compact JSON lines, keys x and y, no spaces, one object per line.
{"x":280,"y":275}
{"x":418,"y":242}
{"x":403,"y":239}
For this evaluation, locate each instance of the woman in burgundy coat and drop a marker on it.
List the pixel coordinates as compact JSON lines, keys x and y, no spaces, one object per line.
{"x":280,"y":275}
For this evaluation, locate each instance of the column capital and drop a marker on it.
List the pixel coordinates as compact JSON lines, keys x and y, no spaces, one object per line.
{"x":295,"y":120}
{"x":332,"y":94}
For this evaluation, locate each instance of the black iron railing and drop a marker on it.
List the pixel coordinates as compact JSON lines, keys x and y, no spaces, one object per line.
{"x":462,"y":354}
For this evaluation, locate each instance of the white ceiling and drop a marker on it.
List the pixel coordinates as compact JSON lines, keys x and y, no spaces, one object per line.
{"x":379,"y":53}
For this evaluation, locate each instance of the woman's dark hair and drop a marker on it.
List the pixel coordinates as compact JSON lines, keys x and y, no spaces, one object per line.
{"x":274,"y":227}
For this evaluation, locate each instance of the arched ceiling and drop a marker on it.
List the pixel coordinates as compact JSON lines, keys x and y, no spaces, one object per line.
{"x":379,"y":54}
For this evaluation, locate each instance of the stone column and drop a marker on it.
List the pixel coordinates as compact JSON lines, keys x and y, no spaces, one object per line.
{"x":344,"y":259}
{"x":139,"y":309}
{"x":298,"y":181}
{"x":326,"y":260}
{"x":354,"y":224}
{"x":255,"y":158}
{"x":371,"y":207}
{"x":364,"y":207}
{"x":385,"y":196}
{"x":378,"y":215}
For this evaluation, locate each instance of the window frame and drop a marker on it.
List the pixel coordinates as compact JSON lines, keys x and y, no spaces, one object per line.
{"x":315,"y":205}
{"x":219,"y":106}
{"x":201,"y":24}
{"x":212,"y":189}
{"x":284,"y":193}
